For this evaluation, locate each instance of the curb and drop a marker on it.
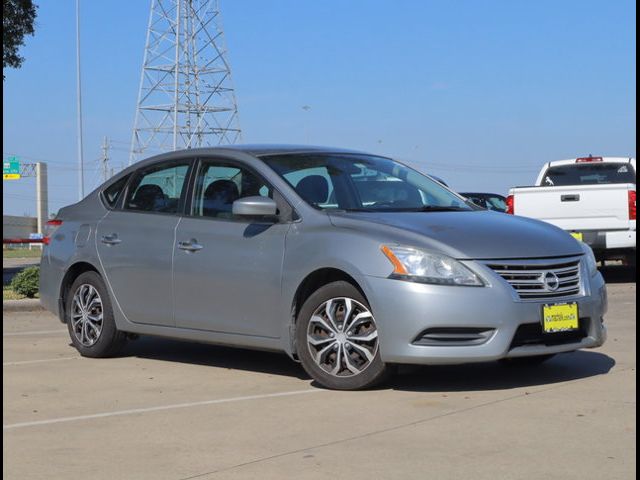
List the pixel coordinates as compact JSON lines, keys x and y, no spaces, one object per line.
{"x":26,"y":305}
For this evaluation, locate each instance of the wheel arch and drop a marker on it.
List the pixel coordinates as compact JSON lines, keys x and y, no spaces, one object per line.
{"x":309,"y":284}
{"x":73,"y":272}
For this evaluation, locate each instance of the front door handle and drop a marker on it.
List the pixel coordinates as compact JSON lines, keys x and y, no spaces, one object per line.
{"x":190,"y":246}
{"x":111,"y":239}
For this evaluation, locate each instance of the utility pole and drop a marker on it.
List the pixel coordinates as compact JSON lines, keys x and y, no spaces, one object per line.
{"x":39,"y":171}
{"x":186,"y":97}
{"x":106,"y":171}
{"x":42,"y":196}
{"x":79,"y":105}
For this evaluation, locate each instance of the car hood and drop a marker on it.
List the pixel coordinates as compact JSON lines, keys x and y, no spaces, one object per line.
{"x":470,"y":235}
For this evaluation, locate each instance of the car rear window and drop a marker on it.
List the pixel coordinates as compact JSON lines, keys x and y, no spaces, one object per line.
{"x":589,"y":174}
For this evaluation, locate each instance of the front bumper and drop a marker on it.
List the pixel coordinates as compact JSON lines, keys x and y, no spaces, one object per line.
{"x":403,"y":310}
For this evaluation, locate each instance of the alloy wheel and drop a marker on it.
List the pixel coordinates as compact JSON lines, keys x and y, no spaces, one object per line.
{"x":342,"y":337}
{"x":86,"y":315}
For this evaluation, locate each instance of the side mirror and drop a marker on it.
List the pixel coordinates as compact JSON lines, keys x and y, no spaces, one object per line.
{"x":255,"y":207}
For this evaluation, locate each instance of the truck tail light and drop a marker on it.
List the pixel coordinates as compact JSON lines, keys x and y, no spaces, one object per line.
{"x":632,"y":205}
{"x":511,"y":205}
{"x":50,"y":227}
{"x":589,"y":159}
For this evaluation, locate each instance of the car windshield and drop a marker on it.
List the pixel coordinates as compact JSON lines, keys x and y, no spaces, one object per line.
{"x":356,"y":182}
{"x":589,"y":174}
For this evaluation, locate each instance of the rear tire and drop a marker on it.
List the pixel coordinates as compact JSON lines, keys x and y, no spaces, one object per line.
{"x":337,"y":339}
{"x":630,"y":260}
{"x":90,"y":320}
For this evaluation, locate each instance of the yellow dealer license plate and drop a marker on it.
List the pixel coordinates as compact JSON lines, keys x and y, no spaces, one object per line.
{"x":560,"y":318}
{"x":577,"y":235}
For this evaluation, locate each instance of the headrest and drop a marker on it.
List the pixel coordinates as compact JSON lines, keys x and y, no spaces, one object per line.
{"x":314,"y":189}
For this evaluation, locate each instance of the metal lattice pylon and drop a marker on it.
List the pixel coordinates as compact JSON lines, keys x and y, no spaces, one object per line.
{"x":186,"y":97}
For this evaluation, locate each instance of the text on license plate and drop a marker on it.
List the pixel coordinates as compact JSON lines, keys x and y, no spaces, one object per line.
{"x":560,"y":318}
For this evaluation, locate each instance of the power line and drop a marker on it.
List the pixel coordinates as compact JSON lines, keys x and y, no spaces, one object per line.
{"x":31,"y":197}
{"x":477,"y":169}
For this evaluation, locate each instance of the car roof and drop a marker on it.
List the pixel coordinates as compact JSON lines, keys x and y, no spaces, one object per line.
{"x":259,"y":150}
{"x":256,"y":150}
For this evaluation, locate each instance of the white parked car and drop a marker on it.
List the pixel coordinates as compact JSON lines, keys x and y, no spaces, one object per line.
{"x":593,"y":198}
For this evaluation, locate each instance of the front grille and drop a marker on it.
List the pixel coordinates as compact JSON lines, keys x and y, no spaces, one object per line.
{"x":532,"y":334}
{"x":541,"y":280}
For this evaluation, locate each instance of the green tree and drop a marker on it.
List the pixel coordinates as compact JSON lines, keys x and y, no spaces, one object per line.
{"x":17,"y":21}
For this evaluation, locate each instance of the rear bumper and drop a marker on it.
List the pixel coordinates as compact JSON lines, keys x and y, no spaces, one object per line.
{"x":404,"y":310}
{"x":609,"y":239}
{"x":50,"y":282}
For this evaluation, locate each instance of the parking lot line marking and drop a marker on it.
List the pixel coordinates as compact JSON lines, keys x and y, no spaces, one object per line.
{"x":133,"y":411}
{"x":392,"y":428}
{"x":45,"y":360}
{"x":35,"y":332}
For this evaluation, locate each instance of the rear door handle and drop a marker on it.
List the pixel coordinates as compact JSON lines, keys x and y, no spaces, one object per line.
{"x":190,"y":246}
{"x":111,"y":239}
{"x":570,"y":198}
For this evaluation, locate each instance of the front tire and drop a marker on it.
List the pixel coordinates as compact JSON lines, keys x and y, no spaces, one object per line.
{"x":90,"y":320}
{"x":337,"y":339}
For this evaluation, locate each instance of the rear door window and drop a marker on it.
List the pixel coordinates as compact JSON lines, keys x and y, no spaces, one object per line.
{"x":158,"y":189}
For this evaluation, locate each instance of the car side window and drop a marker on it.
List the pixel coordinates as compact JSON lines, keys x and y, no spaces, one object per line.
{"x":218,"y":185}
{"x":158,"y":189}
{"x":111,"y":194}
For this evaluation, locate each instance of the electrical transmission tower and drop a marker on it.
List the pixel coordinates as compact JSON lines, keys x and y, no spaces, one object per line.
{"x":186,"y":97}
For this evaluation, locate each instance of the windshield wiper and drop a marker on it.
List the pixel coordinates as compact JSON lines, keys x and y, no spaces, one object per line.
{"x":437,"y":208}
{"x":425,"y":208}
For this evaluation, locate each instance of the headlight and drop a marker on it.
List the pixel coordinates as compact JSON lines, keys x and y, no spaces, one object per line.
{"x":413,"y":264}
{"x":590,"y":259}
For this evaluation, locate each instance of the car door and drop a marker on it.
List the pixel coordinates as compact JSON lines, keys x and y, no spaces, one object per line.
{"x":227,"y":269}
{"x":135,"y":242}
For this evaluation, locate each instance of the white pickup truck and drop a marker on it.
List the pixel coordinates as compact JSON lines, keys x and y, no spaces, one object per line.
{"x":593,"y":198}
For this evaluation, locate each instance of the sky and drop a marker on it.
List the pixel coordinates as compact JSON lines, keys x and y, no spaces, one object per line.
{"x":480,"y":94}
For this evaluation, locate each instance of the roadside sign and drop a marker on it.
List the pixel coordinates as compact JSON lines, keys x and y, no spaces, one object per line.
{"x":11,"y":169}
{"x":36,"y":236}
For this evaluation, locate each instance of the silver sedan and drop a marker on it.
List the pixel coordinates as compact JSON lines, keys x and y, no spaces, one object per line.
{"x":350,"y":263}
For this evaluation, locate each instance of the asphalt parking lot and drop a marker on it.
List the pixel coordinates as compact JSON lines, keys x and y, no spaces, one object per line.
{"x":172,"y":410}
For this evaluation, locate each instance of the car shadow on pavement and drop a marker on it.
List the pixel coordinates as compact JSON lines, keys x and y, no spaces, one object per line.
{"x":499,"y":376}
{"x":168,"y":350}
{"x":440,"y":378}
